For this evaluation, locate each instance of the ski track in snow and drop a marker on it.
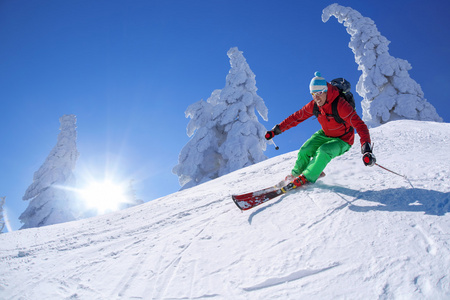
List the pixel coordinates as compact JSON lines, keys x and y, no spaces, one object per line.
{"x":357,"y":233}
{"x":291,"y":277}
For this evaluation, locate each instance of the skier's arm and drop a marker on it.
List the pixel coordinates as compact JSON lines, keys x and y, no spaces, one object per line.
{"x":293,"y":120}
{"x":352,"y":118}
{"x":296,"y":118}
{"x":349,"y":115}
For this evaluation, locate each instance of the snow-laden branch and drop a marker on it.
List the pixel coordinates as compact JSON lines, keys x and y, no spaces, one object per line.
{"x":387,"y":90}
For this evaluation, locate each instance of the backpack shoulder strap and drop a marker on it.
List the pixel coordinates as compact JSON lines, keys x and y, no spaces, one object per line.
{"x":338,"y":118}
{"x":335,"y":111}
{"x":316,"y":110}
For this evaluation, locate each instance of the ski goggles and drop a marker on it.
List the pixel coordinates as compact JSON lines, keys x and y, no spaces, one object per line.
{"x":319,"y":93}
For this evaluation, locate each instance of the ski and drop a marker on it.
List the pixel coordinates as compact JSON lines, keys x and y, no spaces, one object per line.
{"x":250,"y":200}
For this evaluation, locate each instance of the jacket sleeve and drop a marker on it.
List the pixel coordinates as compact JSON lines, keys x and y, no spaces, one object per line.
{"x":349,"y":115}
{"x":296,"y":118}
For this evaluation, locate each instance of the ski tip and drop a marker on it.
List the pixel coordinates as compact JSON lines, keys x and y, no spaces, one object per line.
{"x":235,"y":202}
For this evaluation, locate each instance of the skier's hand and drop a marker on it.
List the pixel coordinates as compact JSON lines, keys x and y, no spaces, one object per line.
{"x":368,"y":157}
{"x":269,"y":135}
{"x":275,"y":131}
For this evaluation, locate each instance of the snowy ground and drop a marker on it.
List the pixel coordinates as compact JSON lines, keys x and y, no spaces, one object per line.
{"x":359,"y":233}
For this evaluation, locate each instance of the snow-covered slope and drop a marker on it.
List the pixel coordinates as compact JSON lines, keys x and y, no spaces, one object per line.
{"x":359,"y":233}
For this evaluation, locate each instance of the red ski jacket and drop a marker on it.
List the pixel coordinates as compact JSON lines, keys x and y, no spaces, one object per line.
{"x":329,"y":124}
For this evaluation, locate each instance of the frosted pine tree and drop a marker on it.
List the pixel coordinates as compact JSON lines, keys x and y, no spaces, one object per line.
{"x":387,"y":90}
{"x":226,"y":133}
{"x":244,"y":143}
{"x":199,"y":160}
{"x":52,"y":200}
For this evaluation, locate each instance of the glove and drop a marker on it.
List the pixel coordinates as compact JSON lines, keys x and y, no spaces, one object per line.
{"x":275,"y":131}
{"x":368,"y":157}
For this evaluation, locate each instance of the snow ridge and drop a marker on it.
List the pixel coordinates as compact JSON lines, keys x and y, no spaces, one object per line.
{"x":358,"y":233}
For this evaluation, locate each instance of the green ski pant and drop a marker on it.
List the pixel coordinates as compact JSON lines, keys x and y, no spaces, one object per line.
{"x":316,"y":153}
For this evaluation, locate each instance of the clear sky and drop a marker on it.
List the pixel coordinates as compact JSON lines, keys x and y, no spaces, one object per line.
{"x":129,"y":69}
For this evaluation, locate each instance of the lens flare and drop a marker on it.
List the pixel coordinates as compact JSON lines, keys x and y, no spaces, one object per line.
{"x":104,"y":196}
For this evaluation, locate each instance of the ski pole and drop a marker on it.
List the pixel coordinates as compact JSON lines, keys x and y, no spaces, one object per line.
{"x":395,"y":174}
{"x":276,"y":147}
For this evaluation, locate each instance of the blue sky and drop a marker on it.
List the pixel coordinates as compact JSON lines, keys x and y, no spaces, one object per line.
{"x":129,"y":69}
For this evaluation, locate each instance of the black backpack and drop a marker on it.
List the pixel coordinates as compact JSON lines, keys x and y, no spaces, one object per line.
{"x":344,"y":91}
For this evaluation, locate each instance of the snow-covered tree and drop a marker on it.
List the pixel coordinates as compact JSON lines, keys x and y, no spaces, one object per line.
{"x":387,"y":90}
{"x":2,"y":219}
{"x":226,"y":133}
{"x":199,"y":160}
{"x":245,"y":143}
{"x":52,"y":200}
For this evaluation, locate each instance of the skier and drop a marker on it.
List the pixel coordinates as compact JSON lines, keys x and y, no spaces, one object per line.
{"x":334,"y":139}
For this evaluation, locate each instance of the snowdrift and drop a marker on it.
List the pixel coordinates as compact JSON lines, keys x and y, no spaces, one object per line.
{"x":358,"y":233}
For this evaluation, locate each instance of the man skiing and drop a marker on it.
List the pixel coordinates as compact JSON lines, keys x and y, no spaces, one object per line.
{"x":334,"y":139}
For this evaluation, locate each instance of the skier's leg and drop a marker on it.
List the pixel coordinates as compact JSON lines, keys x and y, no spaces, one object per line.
{"x":325,"y":153}
{"x":307,"y":151}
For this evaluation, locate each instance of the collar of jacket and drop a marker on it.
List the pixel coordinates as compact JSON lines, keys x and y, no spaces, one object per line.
{"x":332,"y":94}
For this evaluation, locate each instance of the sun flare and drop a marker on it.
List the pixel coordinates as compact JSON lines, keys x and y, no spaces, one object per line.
{"x":104,"y":196}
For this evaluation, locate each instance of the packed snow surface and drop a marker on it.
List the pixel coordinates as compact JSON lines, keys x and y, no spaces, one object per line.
{"x":358,"y":233}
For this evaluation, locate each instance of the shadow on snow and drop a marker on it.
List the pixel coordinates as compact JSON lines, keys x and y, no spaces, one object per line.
{"x":392,"y":199}
{"x":397,"y":199}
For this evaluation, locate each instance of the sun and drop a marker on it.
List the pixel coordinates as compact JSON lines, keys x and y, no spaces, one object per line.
{"x":104,"y":196}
